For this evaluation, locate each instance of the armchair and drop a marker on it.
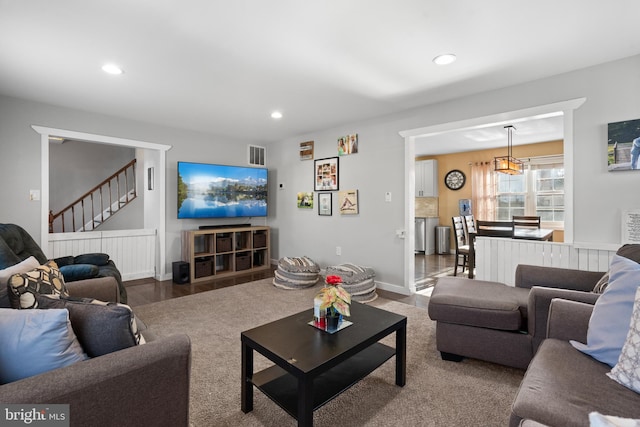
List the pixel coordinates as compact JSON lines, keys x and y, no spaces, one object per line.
{"x":16,"y":245}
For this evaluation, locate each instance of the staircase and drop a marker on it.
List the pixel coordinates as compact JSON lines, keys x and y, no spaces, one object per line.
{"x":98,"y":204}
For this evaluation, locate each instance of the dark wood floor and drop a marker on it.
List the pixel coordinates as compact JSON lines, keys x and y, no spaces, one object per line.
{"x":145,"y":291}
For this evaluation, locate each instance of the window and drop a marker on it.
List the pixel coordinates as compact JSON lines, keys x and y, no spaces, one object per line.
{"x":539,"y":191}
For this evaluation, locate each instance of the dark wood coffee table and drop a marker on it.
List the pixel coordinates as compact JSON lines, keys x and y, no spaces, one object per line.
{"x":312,"y":366}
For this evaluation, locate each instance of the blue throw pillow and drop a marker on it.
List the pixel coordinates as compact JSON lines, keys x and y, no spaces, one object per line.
{"x":609,"y":323}
{"x":36,"y":341}
{"x":74,"y":272}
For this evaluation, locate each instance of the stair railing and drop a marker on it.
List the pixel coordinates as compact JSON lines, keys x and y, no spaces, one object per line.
{"x":89,"y":210}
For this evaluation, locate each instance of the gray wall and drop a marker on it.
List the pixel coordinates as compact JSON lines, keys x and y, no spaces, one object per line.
{"x":611,"y":95}
{"x":368,"y":238}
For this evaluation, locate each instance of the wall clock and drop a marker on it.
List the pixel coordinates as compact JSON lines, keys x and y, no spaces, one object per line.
{"x":454,"y":179}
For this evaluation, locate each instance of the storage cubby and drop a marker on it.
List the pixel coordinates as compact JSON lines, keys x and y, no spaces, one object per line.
{"x":220,"y":252}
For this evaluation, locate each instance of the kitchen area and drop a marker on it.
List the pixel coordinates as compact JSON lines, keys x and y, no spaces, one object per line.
{"x":432,"y":241}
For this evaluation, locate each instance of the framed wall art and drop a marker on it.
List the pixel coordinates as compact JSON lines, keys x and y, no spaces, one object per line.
{"x":348,"y":144}
{"x":623,"y":145}
{"x":325,"y":204}
{"x":326,"y":174}
{"x":305,"y":200}
{"x":348,"y":202}
{"x":306,"y":150}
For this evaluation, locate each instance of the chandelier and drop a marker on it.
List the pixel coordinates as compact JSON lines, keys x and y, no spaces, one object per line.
{"x":508,"y":164}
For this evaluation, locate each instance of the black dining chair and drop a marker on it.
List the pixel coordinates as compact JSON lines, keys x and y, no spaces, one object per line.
{"x":526,"y":221}
{"x":494,"y":228}
{"x":462,"y":248}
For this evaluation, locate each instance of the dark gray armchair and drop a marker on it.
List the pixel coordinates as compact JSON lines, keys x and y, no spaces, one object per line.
{"x":16,"y":245}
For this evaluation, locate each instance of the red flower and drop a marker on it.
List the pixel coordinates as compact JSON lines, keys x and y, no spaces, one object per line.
{"x":334,"y":280}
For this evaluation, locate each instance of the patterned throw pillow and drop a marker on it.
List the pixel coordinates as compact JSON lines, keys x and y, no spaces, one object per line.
{"x":43,"y":280}
{"x":627,"y":370}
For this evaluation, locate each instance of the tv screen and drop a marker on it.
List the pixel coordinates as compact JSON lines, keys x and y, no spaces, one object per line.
{"x":220,"y":191}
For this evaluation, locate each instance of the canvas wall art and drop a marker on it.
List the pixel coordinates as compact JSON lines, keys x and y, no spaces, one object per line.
{"x":348,"y":202}
{"x":348,"y":144}
{"x":623,"y":145}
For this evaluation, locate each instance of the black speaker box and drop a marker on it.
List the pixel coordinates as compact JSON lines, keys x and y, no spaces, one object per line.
{"x":181,"y":272}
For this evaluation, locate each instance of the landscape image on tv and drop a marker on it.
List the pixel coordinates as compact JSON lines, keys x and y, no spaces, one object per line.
{"x":219,"y":191}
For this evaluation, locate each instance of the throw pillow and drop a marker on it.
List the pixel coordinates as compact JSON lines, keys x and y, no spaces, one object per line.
{"x":22,"y":267}
{"x":36,"y":341}
{"x":93,"y":258}
{"x":74,"y":272}
{"x":24,"y":287}
{"x":101,"y":327}
{"x":609,"y":322}
{"x":627,"y":370}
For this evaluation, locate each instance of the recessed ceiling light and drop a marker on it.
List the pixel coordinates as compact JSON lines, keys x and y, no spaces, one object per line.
{"x":444,"y":59}
{"x":276,"y":115}
{"x":112,"y":69}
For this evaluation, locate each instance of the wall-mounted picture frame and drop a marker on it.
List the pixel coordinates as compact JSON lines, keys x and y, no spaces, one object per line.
{"x":326,"y":174}
{"x":305,"y":200}
{"x":623,"y":145}
{"x":306,"y":150}
{"x":348,"y":202}
{"x":325,"y":204}
{"x":348,"y":144}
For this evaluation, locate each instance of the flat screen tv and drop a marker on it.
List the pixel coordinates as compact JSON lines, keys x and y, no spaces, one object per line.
{"x":220,"y":191}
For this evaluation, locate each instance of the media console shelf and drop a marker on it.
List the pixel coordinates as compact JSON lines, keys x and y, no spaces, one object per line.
{"x":219,"y":252}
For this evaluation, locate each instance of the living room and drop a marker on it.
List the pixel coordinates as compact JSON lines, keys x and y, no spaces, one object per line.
{"x":379,"y":168}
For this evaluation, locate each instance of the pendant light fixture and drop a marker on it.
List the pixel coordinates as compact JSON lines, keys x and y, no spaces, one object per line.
{"x":508,"y":164}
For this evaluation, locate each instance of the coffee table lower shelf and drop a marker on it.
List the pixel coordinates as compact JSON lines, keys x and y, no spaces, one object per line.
{"x":282,"y":387}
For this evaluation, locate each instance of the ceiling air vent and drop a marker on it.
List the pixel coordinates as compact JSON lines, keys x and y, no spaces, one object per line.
{"x":257,"y":155}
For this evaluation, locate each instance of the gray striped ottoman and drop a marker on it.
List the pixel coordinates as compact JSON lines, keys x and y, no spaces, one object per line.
{"x":358,"y":281}
{"x":296,"y":273}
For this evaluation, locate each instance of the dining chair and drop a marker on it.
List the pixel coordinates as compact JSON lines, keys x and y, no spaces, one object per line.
{"x":469,"y":227}
{"x":494,"y":228}
{"x":462,"y":249}
{"x":526,"y":221}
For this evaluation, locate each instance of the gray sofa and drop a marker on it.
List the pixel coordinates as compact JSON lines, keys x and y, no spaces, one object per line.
{"x":138,"y":386}
{"x":498,"y":323}
{"x":562,"y":385}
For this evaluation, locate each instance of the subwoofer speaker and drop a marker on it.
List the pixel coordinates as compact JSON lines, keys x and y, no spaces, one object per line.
{"x":181,"y":272}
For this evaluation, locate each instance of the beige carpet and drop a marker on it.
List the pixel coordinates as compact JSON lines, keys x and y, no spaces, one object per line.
{"x":437,"y":393}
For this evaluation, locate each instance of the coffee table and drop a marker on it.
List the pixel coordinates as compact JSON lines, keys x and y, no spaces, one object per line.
{"x":311,"y":366}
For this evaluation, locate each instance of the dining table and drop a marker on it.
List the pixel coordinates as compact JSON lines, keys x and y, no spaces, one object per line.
{"x":539,"y":234}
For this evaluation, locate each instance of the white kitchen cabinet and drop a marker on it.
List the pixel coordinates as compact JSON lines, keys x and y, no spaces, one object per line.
{"x":427,"y":178}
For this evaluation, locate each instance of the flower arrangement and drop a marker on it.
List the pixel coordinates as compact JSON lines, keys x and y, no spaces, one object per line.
{"x":334,"y":298}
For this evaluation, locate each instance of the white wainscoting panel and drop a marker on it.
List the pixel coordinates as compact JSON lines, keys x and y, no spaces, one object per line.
{"x":132,"y":251}
{"x":497,"y":258}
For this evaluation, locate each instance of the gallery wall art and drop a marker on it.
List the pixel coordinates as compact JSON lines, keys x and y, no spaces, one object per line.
{"x":348,"y":202}
{"x":326,"y":174}
{"x":305,"y":200}
{"x":348,"y":144}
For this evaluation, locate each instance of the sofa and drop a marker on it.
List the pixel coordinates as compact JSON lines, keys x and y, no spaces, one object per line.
{"x":146,"y":384}
{"x":562,"y":385}
{"x":16,"y":245}
{"x":498,"y":323}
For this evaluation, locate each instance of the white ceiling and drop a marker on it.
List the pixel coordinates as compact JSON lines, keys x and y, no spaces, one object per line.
{"x":222,"y":66}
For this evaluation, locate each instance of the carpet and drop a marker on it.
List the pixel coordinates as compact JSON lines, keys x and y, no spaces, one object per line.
{"x":437,"y":393}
